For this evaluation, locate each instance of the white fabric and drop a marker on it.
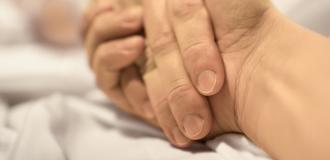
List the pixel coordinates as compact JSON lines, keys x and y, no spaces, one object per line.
{"x":29,"y":71}
{"x":14,"y":27}
{"x":314,"y":15}
{"x":77,"y":127}
{"x":63,"y":127}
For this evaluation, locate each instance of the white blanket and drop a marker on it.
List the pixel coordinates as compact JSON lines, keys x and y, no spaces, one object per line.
{"x":64,"y":127}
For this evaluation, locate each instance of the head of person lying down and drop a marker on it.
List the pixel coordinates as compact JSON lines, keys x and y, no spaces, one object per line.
{"x":53,"y":21}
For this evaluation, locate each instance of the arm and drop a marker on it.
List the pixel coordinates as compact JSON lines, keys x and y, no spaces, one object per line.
{"x":277,"y":76}
{"x":283,"y":94}
{"x":276,"y":86}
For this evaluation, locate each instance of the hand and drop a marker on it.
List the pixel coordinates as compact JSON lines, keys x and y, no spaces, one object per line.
{"x":182,"y":110}
{"x":240,"y":27}
{"x":277,"y":75}
{"x":113,"y":41}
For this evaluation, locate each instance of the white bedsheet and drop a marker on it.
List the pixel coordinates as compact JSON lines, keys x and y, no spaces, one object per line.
{"x":29,"y":71}
{"x":62,"y":127}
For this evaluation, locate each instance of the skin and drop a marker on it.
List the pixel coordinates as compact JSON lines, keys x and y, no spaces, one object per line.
{"x":101,"y":27}
{"x":276,"y":86}
{"x":55,"y":21}
{"x":234,"y":43}
{"x":113,"y":43}
{"x":277,"y":73}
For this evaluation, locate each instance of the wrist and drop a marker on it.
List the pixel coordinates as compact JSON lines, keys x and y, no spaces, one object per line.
{"x":237,"y":58}
{"x":265,"y":40}
{"x":280,"y":96}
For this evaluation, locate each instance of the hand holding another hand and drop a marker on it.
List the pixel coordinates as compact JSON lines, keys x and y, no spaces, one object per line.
{"x":192,"y":44}
{"x":218,"y":66}
{"x":215,"y":37}
{"x":277,"y":72}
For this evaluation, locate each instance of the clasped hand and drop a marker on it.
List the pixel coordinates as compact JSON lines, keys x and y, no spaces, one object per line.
{"x":195,"y":51}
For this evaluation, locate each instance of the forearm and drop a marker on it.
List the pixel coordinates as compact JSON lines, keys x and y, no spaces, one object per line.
{"x":283,"y":94}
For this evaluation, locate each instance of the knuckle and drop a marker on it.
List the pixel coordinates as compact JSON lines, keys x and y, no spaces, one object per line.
{"x":164,"y":40}
{"x":102,"y":54}
{"x":135,"y":43}
{"x":130,"y":27}
{"x":194,"y":49}
{"x":179,"y":92}
{"x":99,"y":28}
{"x":106,"y":56}
{"x":106,"y":86}
{"x":160,"y":108}
{"x":184,"y":8}
{"x":114,"y":54}
{"x":130,"y":23}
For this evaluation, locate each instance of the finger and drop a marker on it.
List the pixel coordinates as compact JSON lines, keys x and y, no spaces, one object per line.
{"x":201,"y":57}
{"x":117,"y":54}
{"x":111,"y":26}
{"x":189,"y":108}
{"x":165,"y":118}
{"x":115,"y":94}
{"x":135,"y":92}
{"x":111,"y":57}
{"x":169,"y":126}
{"x":93,"y":10}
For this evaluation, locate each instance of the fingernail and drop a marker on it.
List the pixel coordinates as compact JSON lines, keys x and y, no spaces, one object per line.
{"x":179,"y":138}
{"x":193,"y":125}
{"x":206,"y":81}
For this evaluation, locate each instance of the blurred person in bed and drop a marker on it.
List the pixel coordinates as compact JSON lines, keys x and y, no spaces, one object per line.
{"x":276,"y":72}
{"x":56,"y":22}
{"x":45,"y":33}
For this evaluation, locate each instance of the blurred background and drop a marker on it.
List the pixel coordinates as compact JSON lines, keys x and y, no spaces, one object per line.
{"x":41,"y":50}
